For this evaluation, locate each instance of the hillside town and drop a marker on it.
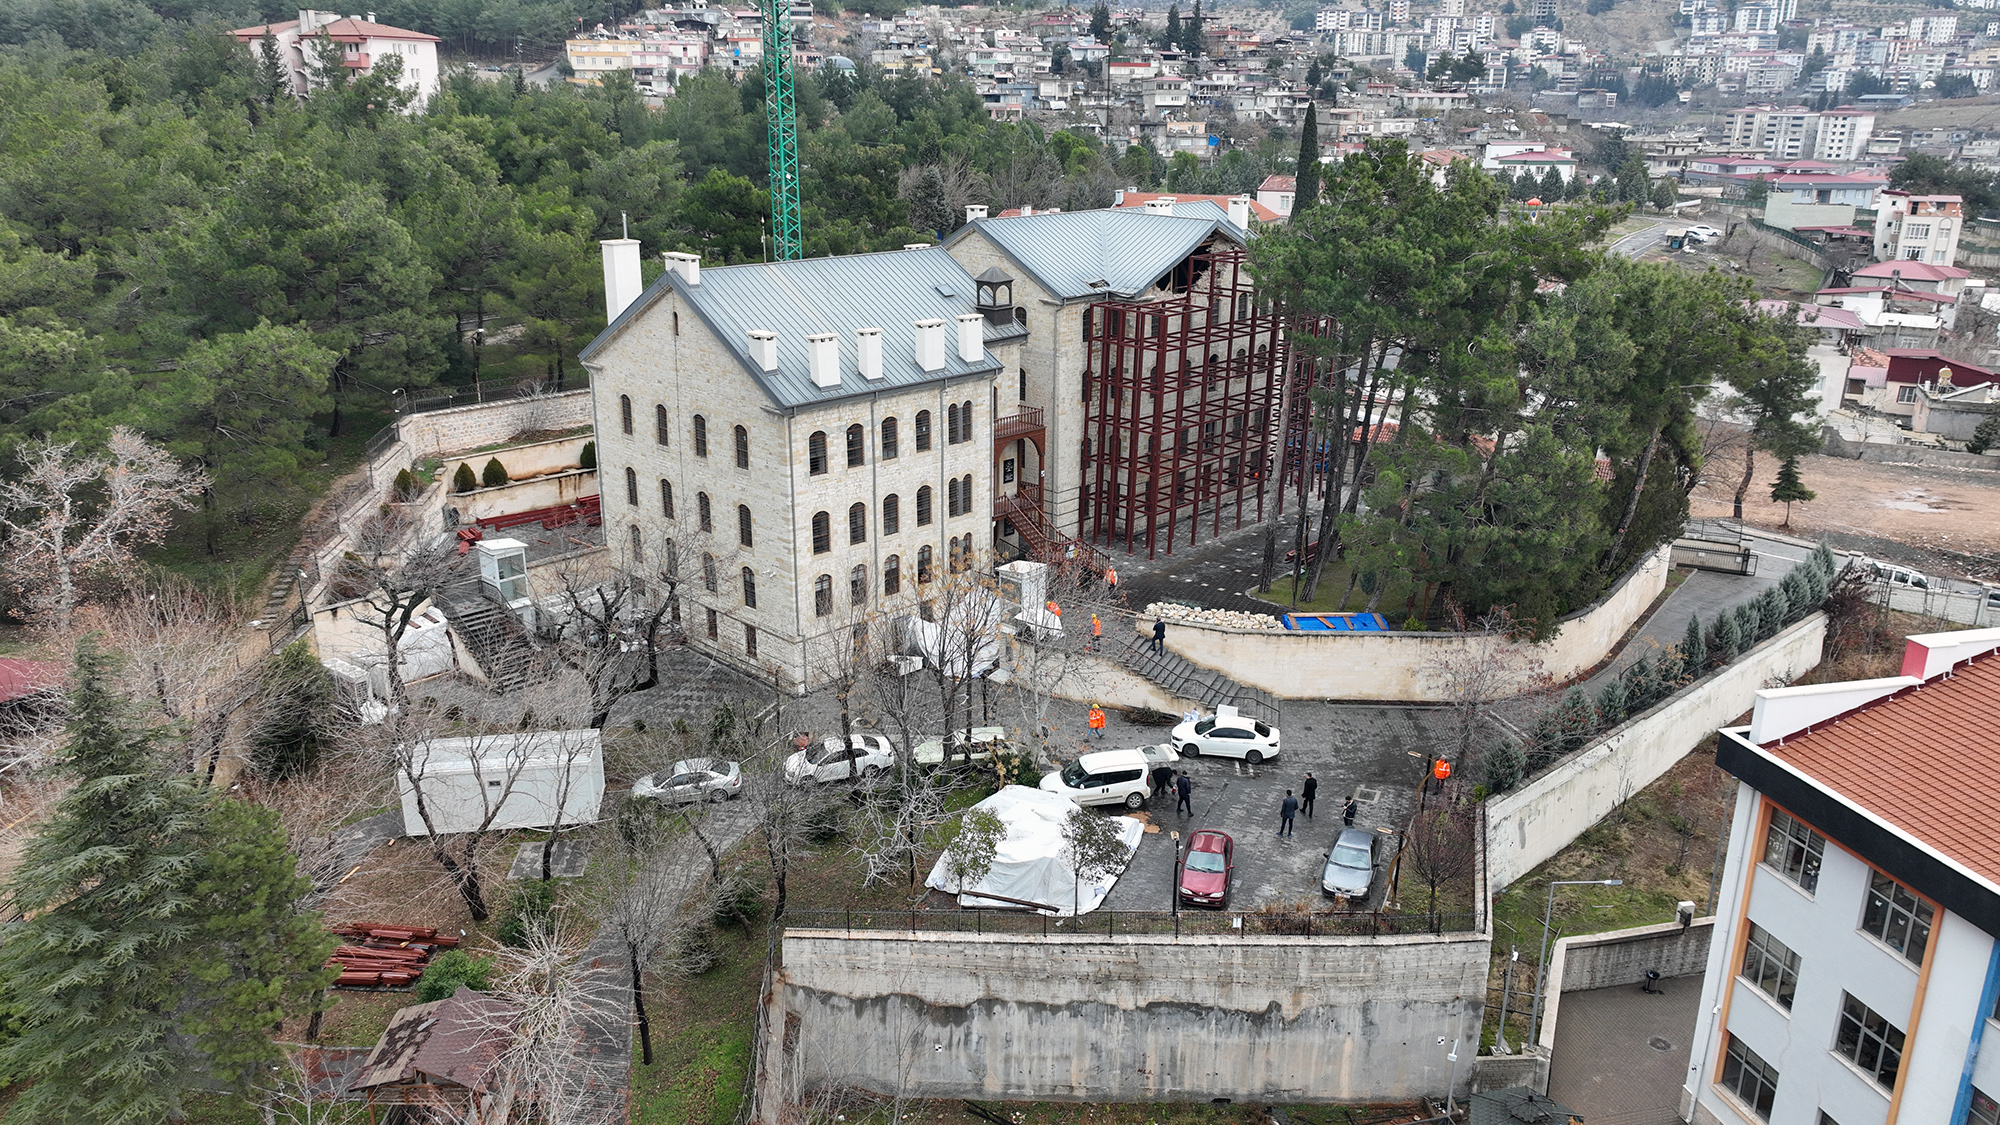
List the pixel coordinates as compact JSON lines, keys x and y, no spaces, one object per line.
{"x":589,"y":565}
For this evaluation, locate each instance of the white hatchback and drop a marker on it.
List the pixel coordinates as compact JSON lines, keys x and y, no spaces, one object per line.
{"x":1227,"y":734}
{"x":865,"y":755}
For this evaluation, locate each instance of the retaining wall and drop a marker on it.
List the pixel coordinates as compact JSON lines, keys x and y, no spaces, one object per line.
{"x":1883,"y":453}
{"x":1268,"y":1019}
{"x":442,"y":432}
{"x":1619,"y":958}
{"x":522,"y":496}
{"x":1546,"y":813}
{"x":1394,"y":666}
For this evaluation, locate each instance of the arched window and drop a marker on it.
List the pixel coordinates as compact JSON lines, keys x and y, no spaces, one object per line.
{"x":700,"y":436}
{"x":951,"y":497}
{"x":857,"y":524}
{"x":892,"y":576}
{"x":749,"y":588}
{"x":965,"y":420}
{"x":823,"y":595}
{"x":951,"y":424}
{"x":668,"y":556}
{"x":965,"y":498}
{"x":892,"y":513}
{"x":816,"y":453}
{"x":857,"y":446}
{"x":888,"y":439}
{"x":857,"y":586}
{"x":708,"y":571}
{"x":625,"y":413}
{"x":660,"y":427}
{"x":631,"y":487}
{"x":743,"y":524}
{"x":923,"y":565}
{"x":702,"y":510}
{"x":924,"y":506}
{"x":822,"y":533}
{"x":923,"y":430}
{"x":742,"y":448}
{"x":666,"y":498}
{"x":637,"y":549}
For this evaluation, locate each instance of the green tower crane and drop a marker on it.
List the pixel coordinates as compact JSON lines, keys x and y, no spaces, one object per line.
{"x":781,"y":131}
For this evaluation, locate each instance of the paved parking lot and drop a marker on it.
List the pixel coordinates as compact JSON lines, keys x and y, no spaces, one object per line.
{"x":1378,"y":753}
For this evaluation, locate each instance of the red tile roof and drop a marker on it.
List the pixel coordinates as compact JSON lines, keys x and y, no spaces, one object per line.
{"x":1912,"y":270}
{"x":1869,"y":357}
{"x":1275,"y":182}
{"x":1918,"y":760}
{"x":340,"y":30}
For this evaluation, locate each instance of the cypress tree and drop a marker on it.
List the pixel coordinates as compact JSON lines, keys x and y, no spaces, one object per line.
{"x":1613,"y":702}
{"x":463,"y":480}
{"x":494,"y":475}
{"x":1504,"y":765}
{"x":1725,"y":640}
{"x":1306,"y":187}
{"x":1694,"y":652}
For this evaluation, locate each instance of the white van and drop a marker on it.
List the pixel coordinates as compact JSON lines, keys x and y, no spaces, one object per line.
{"x":1107,"y":777}
{"x":1900,"y":576}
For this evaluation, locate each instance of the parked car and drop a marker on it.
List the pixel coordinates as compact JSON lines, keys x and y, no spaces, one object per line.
{"x":985,"y":742}
{"x":1227,"y":734}
{"x":865,"y":755}
{"x":1205,"y":871}
{"x":696,"y":779}
{"x":1703,"y":232}
{"x":1350,"y":866}
{"x":1160,"y":754}
{"x":1899,"y":576}
{"x":1106,"y":777}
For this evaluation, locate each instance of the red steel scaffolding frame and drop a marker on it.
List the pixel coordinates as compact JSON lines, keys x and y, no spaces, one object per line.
{"x":1185,"y":411}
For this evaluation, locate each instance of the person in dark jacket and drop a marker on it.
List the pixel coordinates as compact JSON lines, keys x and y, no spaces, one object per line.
{"x":1347,"y":813}
{"x":1163,"y":776}
{"x":1306,"y":794}
{"x":1287,"y":809}
{"x":1184,"y":786}
{"x":1160,"y":636}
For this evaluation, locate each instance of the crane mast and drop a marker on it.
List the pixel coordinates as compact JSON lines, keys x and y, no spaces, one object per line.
{"x":781,"y":131}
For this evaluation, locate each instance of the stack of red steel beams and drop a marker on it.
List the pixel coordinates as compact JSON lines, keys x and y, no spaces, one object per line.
{"x":374,"y":955}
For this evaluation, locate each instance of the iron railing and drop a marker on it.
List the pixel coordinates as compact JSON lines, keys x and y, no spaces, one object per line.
{"x":1139,"y":923}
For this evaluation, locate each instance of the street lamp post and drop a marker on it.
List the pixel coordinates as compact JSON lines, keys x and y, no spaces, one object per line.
{"x":1535,"y":1013}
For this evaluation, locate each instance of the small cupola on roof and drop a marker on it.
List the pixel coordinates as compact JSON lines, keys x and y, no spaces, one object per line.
{"x":995,"y":296}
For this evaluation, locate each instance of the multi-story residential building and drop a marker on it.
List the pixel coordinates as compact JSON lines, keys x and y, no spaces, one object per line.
{"x":1935,"y":27}
{"x":1920,"y":228}
{"x":803,"y":443}
{"x":1843,"y":134}
{"x":1785,"y":132}
{"x":358,"y":46}
{"x":1854,"y":972}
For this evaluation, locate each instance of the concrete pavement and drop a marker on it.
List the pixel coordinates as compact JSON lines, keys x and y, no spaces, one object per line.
{"x":1620,"y":1054}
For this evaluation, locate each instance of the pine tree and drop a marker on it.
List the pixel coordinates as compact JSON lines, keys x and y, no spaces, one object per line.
{"x":1306,"y":185}
{"x":1725,"y":641}
{"x":1789,"y":489}
{"x":1174,"y":35}
{"x":161,"y":936}
{"x":1694,"y":651}
{"x":1613,"y":701}
{"x":1577,"y":720}
{"x":297,"y":703}
{"x":1504,"y":765}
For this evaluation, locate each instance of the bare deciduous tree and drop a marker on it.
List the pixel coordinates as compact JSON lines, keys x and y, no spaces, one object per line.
{"x":553,"y":999}
{"x":69,"y":517}
{"x":186,"y":663}
{"x":653,"y":897}
{"x":1488,"y":665}
{"x":1440,"y":850}
{"x":395,"y":568}
{"x":894,"y":817}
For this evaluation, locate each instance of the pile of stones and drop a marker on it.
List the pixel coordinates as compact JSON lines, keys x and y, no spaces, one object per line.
{"x":1227,"y":618}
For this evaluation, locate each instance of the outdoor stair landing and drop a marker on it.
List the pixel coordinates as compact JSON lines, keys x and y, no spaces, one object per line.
{"x":1186,"y":680}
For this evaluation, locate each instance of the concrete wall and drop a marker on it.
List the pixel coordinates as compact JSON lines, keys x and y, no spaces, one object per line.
{"x":1540,"y":818}
{"x":522,"y":496}
{"x":1394,"y":666}
{"x":1950,"y":418}
{"x":1499,"y":1072}
{"x":1883,"y":453}
{"x":443,"y":432}
{"x":1619,"y":958}
{"x":1270,"y":1019}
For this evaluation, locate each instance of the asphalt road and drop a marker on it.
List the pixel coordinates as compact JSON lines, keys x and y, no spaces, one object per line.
{"x":1638,"y":242}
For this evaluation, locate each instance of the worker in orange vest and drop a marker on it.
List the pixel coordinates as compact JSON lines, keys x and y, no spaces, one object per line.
{"x":1097,"y":721}
{"x":1111,"y":578}
{"x":1054,"y":609}
{"x":1096,"y":630}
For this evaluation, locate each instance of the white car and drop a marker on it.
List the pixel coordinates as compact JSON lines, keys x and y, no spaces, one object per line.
{"x":1106,"y":777}
{"x":1227,"y":734}
{"x":985,"y":740}
{"x":1160,"y":754}
{"x":1704,"y":232}
{"x":696,"y":779}
{"x":865,"y":755}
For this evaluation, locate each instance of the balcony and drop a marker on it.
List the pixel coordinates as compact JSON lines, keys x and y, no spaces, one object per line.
{"x":1024,"y":423}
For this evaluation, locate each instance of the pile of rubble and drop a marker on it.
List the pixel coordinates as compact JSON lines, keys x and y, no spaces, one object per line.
{"x":1227,"y":618}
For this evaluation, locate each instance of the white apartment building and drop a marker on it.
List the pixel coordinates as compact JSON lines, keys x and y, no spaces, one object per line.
{"x":1854,"y":971}
{"x":1785,"y":132}
{"x":1843,"y":134}
{"x":363,"y":44}
{"x":1918,"y":228}
{"x":800,"y":446}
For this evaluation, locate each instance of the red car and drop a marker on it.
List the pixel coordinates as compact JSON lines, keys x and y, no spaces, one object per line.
{"x":1205,"y":871}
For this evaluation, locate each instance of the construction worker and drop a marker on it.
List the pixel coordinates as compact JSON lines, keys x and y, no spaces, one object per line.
{"x":1054,"y":609}
{"x":1096,"y":630}
{"x":1111,"y":579}
{"x":1097,"y":722}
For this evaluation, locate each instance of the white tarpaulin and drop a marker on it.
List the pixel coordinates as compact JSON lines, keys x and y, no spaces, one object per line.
{"x":966,"y":643}
{"x":1028,"y":864}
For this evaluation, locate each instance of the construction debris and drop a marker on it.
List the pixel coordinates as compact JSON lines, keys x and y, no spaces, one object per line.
{"x":377,"y":956}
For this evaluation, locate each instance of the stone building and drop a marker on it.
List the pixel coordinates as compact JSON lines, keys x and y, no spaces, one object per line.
{"x":801,"y":445}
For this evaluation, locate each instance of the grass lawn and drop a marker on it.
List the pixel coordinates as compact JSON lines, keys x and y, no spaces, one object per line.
{"x":701,"y":1039}
{"x":1333,"y":596}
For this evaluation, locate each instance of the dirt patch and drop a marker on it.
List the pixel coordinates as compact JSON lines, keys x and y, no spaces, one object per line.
{"x":1946,"y":521}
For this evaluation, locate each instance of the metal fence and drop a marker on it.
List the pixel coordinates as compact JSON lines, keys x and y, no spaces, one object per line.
{"x":1138,"y":923}
{"x":491,"y":390}
{"x":1977,"y":608}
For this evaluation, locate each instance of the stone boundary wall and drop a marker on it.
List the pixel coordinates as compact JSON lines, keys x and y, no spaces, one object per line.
{"x":1265,"y":1019}
{"x":1619,"y":958}
{"x":1882,"y":453}
{"x":1539,"y":819}
{"x":1391,"y":667}
{"x":442,"y":432}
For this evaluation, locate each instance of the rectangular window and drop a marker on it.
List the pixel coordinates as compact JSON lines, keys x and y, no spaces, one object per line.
{"x":1771,"y":966}
{"x":711,"y":624}
{"x":1917,"y":230}
{"x":1906,"y":394}
{"x":1868,"y":1041}
{"x":1901,"y":920}
{"x":1007,"y":471}
{"x":1793,"y":850}
{"x":750,"y":640}
{"x":1985,"y":1111}
{"x":1751,"y":1079}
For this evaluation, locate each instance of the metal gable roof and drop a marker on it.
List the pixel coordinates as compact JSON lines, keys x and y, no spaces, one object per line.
{"x":1128,"y":251}
{"x":810,"y":296}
